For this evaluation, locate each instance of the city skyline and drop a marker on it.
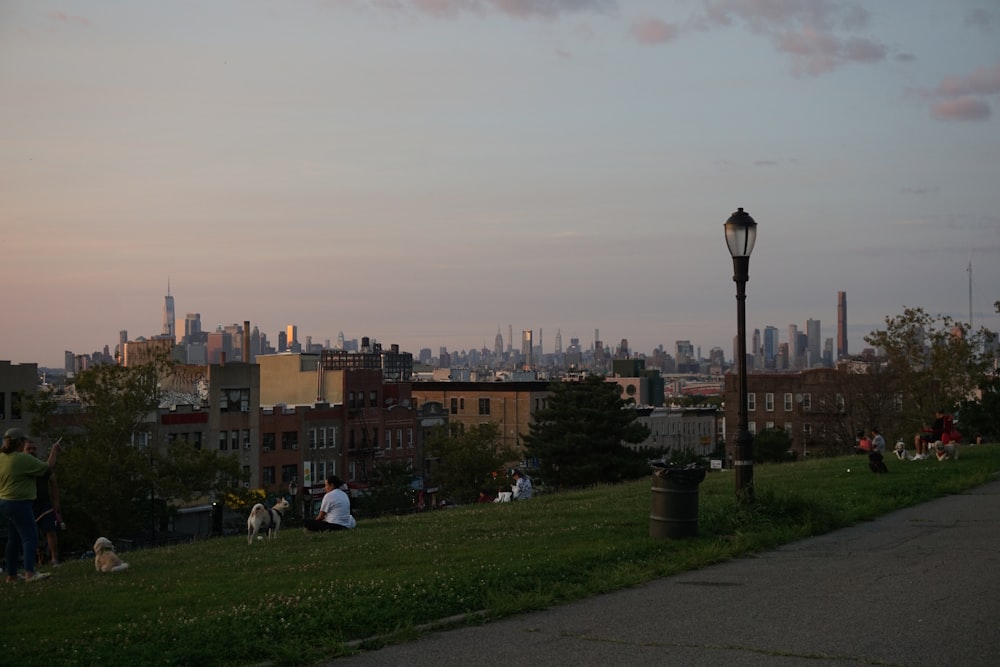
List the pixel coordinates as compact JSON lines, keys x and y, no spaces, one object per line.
{"x":420,"y":172}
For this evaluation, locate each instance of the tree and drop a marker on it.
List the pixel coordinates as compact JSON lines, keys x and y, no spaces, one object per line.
{"x":931,"y":363}
{"x":580,"y":434}
{"x":981,"y":416}
{"x":113,"y":478}
{"x":771,"y":445}
{"x":468,"y":460}
{"x":391,"y":489}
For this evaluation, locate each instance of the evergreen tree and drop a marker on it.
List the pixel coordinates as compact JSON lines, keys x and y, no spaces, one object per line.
{"x":579,"y":435}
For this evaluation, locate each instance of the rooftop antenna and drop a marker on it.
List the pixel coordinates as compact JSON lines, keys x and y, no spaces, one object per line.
{"x":970,"y":293}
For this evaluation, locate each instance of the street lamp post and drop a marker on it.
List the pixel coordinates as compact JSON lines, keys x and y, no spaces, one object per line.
{"x":741,"y":234}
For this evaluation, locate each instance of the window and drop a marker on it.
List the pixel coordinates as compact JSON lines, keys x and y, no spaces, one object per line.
{"x":234,"y":439}
{"x":769,"y":402}
{"x":289,"y":439}
{"x":388,"y":439}
{"x":454,"y":406}
{"x":246,"y":438}
{"x":268,"y":475}
{"x":399,"y":438}
{"x":409,"y":438}
{"x":807,"y":430}
{"x":331,"y":436}
{"x":751,"y":402}
{"x":350,"y":439}
{"x":3,"y":406}
{"x":373,"y":399}
{"x":268,"y":441}
{"x":752,"y":427}
{"x":484,"y":406}
{"x":788,"y":402}
{"x":223,"y":439}
{"x":313,"y":438}
{"x":769,"y":425}
{"x":350,"y":399}
{"x":790,"y":429}
{"x":289,"y":472}
{"x":234,"y":400}
{"x":807,"y":402}
{"x":461,"y":404}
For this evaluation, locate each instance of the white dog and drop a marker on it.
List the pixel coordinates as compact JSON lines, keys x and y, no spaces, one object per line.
{"x":901,"y":452}
{"x":943,"y":451}
{"x":265,"y":521}
{"x":105,"y":558}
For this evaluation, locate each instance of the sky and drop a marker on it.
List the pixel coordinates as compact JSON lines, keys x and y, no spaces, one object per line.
{"x":428,"y":172}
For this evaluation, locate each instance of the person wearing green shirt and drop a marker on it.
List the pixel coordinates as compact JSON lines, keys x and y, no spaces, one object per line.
{"x":18,"y":472}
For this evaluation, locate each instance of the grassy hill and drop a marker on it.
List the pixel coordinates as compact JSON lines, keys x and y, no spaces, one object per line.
{"x":304,"y":598}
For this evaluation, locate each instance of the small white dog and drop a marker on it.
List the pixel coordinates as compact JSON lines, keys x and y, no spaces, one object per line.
{"x":105,"y":558}
{"x":943,"y":451}
{"x":265,"y":521}
{"x":901,"y":452}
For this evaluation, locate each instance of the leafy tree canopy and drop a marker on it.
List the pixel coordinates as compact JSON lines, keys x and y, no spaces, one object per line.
{"x":110,"y":467}
{"x":467,"y":460}
{"x":580,"y":434}
{"x":933,"y":362}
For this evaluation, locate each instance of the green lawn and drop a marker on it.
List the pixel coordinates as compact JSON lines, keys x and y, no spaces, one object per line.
{"x":305,"y":598}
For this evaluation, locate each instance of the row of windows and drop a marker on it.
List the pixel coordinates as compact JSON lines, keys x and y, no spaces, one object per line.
{"x":357,"y":399}
{"x":789,"y":428}
{"x":457,"y":405}
{"x":789,"y":402}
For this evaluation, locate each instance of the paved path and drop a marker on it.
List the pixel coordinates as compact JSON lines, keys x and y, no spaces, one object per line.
{"x":920,"y":586}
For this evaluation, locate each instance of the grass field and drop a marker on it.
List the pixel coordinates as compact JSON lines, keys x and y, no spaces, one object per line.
{"x":305,"y":598}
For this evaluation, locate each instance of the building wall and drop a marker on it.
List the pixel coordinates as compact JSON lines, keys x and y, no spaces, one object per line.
{"x":17,"y":381}
{"x":510,"y":404}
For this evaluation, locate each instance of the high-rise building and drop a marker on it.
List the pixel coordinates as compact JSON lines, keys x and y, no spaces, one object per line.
{"x":526,"y":348}
{"x":770,"y":345}
{"x":510,"y":340}
{"x":169,"y":319}
{"x":841,"y":325}
{"x":498,"y":343}
{"x":291,"y":334}
{"x":558,"y":341}
{"x":814,"y":345}
{"x":192,"y":328}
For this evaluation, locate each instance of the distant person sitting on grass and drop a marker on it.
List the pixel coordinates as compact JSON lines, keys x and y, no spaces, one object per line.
{"x":521,"y":488}
{"x":334,"y":509}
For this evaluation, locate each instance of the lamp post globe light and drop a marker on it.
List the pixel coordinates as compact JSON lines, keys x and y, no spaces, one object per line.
{"x":741,"y":234}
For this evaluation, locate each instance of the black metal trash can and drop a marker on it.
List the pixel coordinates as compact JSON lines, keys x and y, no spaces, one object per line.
{"x":674,"y":512}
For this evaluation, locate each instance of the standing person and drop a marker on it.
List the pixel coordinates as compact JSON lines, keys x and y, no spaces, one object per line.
{"x":18,"y":472}
{"x":334,"y":509}
{"x":878,"y":442}
{"x":928,"y":435}
{"x":46,"y":506}
{"x":521,"y":487}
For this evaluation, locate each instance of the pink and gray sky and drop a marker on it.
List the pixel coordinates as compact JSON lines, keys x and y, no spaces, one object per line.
{"x":425,"y":172}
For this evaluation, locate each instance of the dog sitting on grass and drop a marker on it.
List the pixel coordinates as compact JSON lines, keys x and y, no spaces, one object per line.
{"x":105,"y":558}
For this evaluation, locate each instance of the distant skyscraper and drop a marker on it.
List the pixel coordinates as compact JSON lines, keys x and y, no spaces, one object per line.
{"x":498,"y":343}
{"x":770,"y":345}
{"x":340,"y":340}
{"x":526,"y":348}
{"x":292,"y":334}
{"x":814,"y":343}
{"x":510,"y":339}
{"x":558,"y":341}
{"x":192,"y":327}
{"x":540,"y":350}
{"x":841,"y":325}
{"x":169,"y":319}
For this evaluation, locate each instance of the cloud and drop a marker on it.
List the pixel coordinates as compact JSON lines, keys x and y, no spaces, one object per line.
{"x":984,"y":19}
{"x":63,"y":17}
{"x":966,"y":98}
{"x":650,"y":30}
{"x":962,"y":108}
{"x":520,"y":9}
{"x":817,"y":34}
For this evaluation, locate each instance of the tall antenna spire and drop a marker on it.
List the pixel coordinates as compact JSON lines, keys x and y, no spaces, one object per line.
{"x":970,"y":294}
